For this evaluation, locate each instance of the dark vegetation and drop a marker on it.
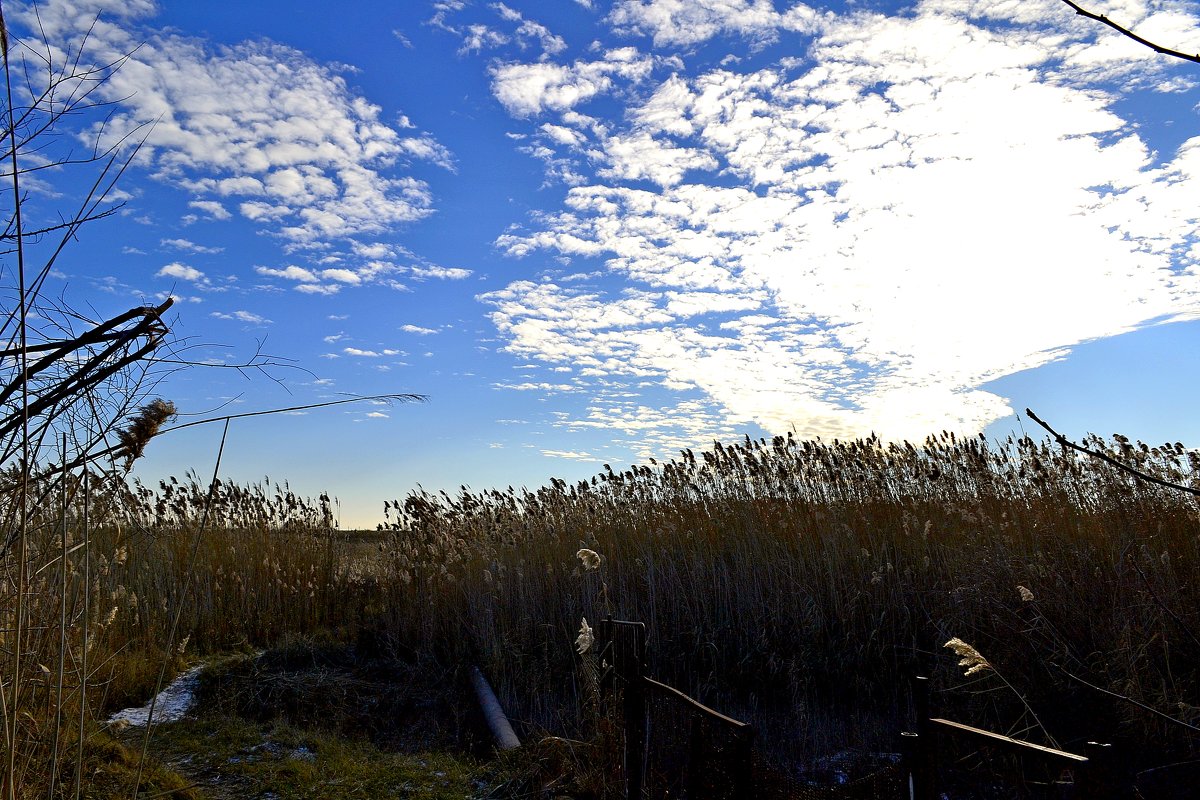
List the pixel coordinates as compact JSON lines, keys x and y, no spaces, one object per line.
{"x":791,"y":584}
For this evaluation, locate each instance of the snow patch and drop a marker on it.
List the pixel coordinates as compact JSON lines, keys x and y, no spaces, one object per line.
{"x":170,"y":704}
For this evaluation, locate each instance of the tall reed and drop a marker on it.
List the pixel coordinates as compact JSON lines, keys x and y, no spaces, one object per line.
{"x":788,"y":581}
{"x":103,"y":595}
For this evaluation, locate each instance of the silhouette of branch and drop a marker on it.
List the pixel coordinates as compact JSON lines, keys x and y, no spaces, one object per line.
{"x":1137,"y":703}
{"x":381,"y":398}
{"x":1166,"y":51}
{"x":121,"y":449}
{"x":1065,"y":442}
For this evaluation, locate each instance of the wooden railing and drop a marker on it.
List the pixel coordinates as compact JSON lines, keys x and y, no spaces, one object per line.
{"x":717,"y":750}
{"x":622,"y":655}
{"x":1091,"y":776}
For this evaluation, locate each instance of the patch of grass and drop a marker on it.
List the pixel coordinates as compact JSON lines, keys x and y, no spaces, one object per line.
{"x":110,"y":770}
{"x":230,"y":756}
{"x":316,"y":682}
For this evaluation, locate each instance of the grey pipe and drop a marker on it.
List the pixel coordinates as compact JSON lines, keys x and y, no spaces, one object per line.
{"x":496,"y":720}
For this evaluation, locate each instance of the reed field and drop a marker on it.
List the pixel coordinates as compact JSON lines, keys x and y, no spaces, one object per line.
{"x":795,"y":585}
{"x":798,"y":584}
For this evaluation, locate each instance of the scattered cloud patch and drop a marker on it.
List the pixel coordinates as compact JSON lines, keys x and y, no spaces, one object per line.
{"x":529,"y":31}
{"x":442,"y":273}
{"x":570,"y":454}
{"x":294,"y":147}
{"x":211,"y":208}
{"x":418,"y":330}
{"x":529,"y":89}
{"x":181,"y":271}
{"x":827,"y":245}
{"x":690,"y":22}
{"x":242,"y":316}
{"x":291,"y":273}
{"x":319,"y":288}
{"x":190,"y":246}
{"x":354,"y":351}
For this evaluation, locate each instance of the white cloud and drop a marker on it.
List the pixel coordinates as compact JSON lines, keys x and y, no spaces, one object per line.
{"x":190,"y":246}
{"x":308,"y":158}
{"x":574,"y":455}
{"x":291,"y":272}
{"x":354,"y":351}
{"x":537,"y":387}
{"x":242,"y":316}
{"x":550,"y":43}
{"x":373,"y":250}
{"x":480,"y":37}
{"x":858,"y":241}
{"x":444,"y":273}
{"x":341,"y":276}
{"x":181,"y":271}
{"x":418,"y":330}
{"x":529,"y":89}
{"x":210,"y":207}
{"x":689,"y":22}
{"x":318,"y":288}
{"x":639,"y":156}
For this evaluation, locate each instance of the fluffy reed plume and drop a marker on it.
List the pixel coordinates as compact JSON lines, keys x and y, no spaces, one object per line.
{"x":143,"y":427}
{"x":972,"y":659}
{"x":585,"y":639}
{"x":588,"y":559}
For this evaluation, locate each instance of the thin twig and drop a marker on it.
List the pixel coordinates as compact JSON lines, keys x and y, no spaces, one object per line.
{"x":14,"y":707}
{"x":1166,"y":51}
{"x":119,"y":449}
{"x":1183,"y":626}
{"x":187,"y":585}
{"x":1137,"y":703}
{"x":402,"y":398}
{"x":1065,"y":442}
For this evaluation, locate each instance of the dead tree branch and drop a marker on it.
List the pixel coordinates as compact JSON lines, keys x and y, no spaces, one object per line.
{"x":1137,"y":473}
{"x":1166,"y":51}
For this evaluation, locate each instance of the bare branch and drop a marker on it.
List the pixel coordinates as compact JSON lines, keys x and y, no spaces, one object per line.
{"x":1127,"y":699}
{"x":1166,"y":51}
{"x":379,"y":398}
{"x":120,"y":450}
{"x":1065,"y":442}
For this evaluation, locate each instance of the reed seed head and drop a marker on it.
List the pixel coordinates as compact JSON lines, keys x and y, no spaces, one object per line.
{"x":971,"y":658}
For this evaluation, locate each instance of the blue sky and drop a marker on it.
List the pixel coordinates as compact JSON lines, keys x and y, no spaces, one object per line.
{"x":595,"y":232}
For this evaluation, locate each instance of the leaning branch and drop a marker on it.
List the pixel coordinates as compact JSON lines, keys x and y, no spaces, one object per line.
{"x":1137,"y":703}
{"x":121,"y":449}
{"x":376,"y":398}
{"x":1137,"y":473}
{"x":1166,"y":51}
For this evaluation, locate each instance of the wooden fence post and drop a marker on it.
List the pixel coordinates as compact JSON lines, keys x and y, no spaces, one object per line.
{"x":1097,"y":779}
{"x":744,"y":776}
{"x":915,"y":761}
{"x":635,"y":717}
{"x":924,"y":748}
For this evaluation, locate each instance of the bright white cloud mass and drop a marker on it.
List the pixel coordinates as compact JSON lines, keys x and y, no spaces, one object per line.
{"x":919,"y":205}
{"x":640,"y":225}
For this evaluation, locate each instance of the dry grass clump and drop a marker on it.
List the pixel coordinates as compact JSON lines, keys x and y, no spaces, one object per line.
{"x":787,"y":581}
{"x":114,"y":566}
